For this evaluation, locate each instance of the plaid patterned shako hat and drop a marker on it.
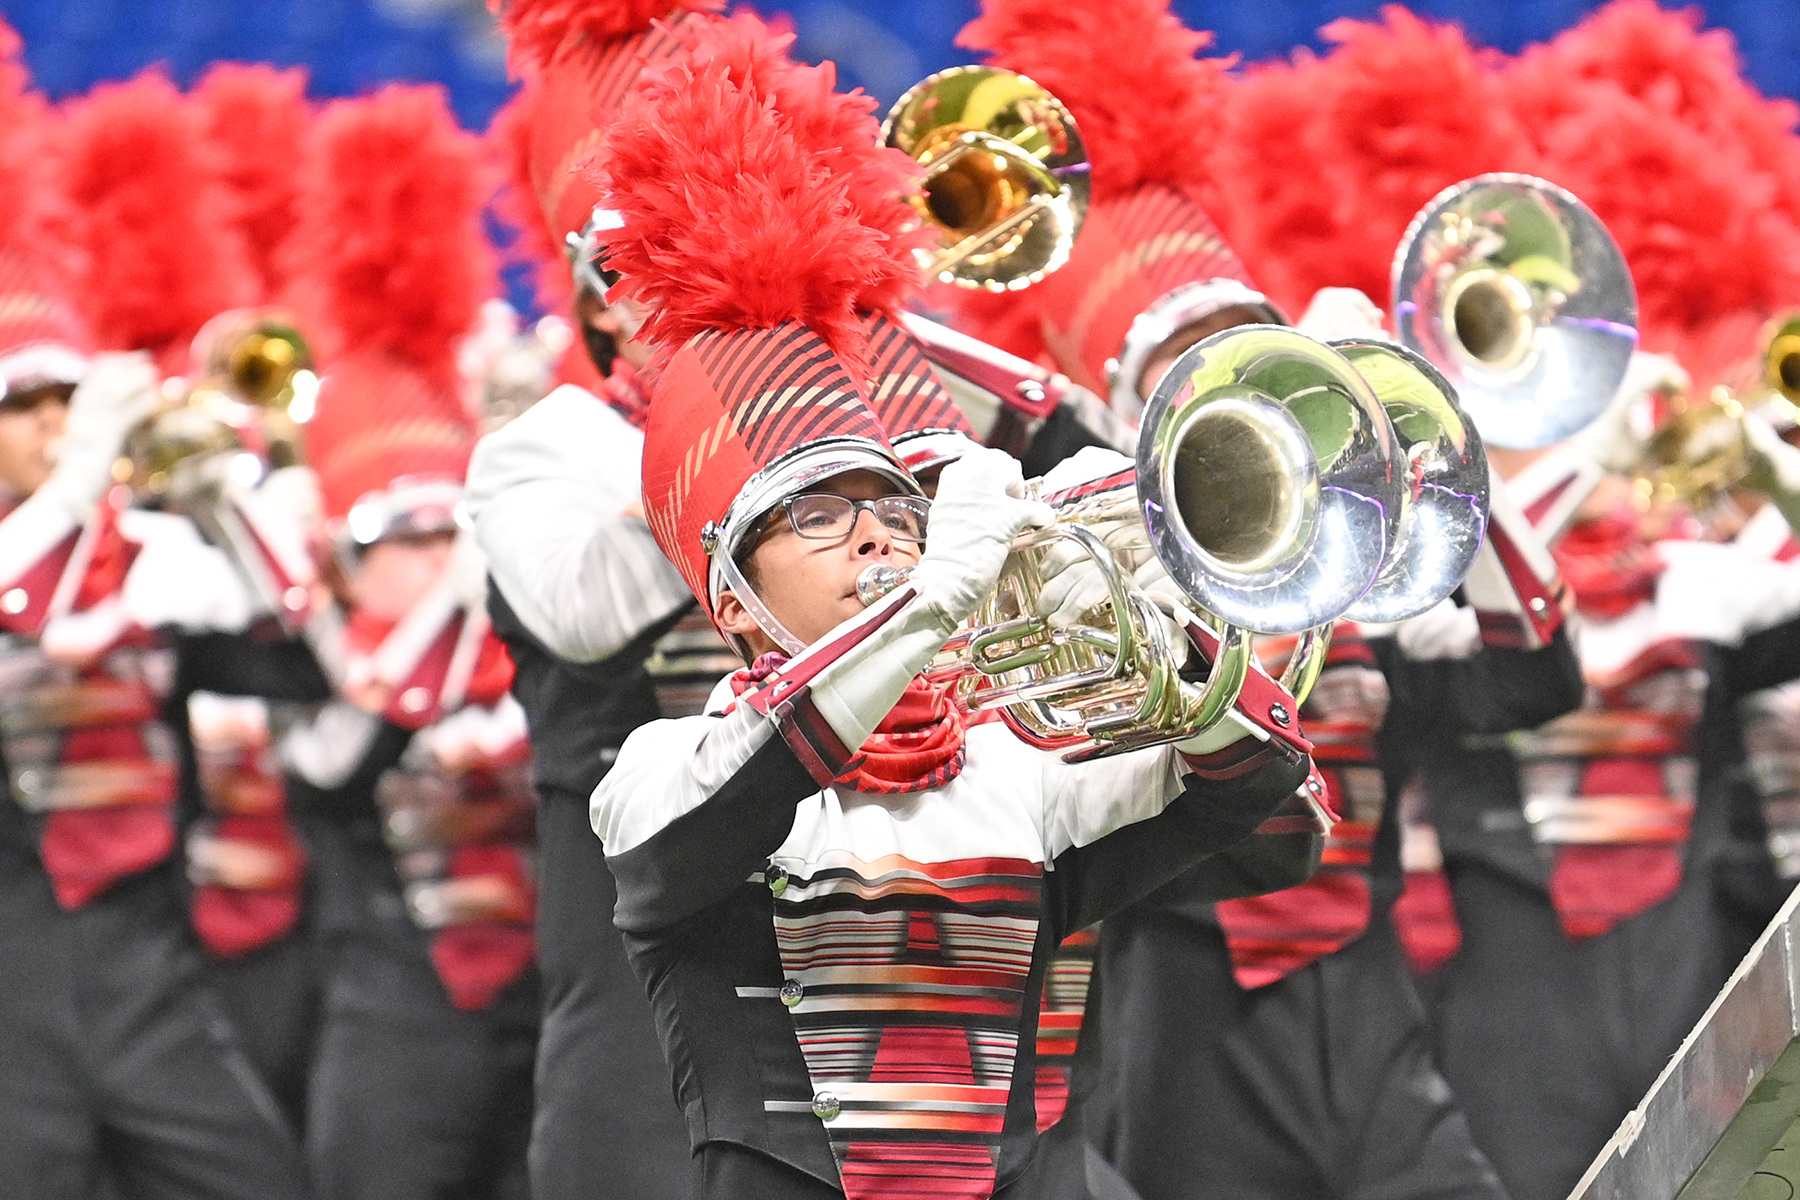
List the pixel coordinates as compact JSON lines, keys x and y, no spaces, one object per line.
{"x":915,"y":407}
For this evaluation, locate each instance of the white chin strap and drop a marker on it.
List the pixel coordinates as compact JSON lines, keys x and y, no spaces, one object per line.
{"x":759,"y":612}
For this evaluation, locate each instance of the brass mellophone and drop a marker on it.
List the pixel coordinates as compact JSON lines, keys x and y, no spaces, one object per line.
{"x":1282,"y":483}
{"x":1702,"y":451}
{"x":1006,"y":176}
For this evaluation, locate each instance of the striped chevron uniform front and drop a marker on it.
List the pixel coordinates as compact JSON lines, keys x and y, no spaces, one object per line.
{"x":906,"y":982}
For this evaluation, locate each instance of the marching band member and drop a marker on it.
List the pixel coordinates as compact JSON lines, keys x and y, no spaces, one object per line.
{"x":812,"y":1057}
{"x":416,"y":778}
{"x":1605,"y":849}
{"x":246,"y":857}
{"x":1205,"y":1012}
{"x":119,"y":1061}
{"x":581,"y":594}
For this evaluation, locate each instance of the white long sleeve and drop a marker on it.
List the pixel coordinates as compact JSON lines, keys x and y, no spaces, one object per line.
{"x":549,"y":495}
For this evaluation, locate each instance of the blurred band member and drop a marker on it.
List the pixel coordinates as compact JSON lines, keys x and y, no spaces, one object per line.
{"x":581,"y":594}
{"x":415,"y":777}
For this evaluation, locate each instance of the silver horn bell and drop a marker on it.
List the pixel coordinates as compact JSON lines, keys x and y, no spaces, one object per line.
{"x":1283,"y":483}
{"x":1514,"y":290}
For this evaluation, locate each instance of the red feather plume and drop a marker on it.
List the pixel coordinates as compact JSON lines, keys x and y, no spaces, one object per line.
{"x":738,"y":213}
{"x":391,"y":254}
{"x":1127,"y":71}
{"x":515,"y":201}
{"x":256,"y":119}
{"x":1649,"y":119}
{"x":840,"y":128}
{"x":151,"y":218}
{"x":29,"y":194}
{"x":538,"y":30}
{"x":1408,"y":108}
{"x":1277,"y":215}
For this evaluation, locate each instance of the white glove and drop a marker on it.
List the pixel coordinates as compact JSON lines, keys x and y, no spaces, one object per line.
{"x":117,"y":393}
{"x":1341,"y":313}
{"x":979,"y":510}
{"x":1448,"y":630}
{"x":475,"y":734}
{"x":1779,"y":462}
{"x":178,"y":580}
{"x":1072,"y":584}
{"x":1618,"y":436}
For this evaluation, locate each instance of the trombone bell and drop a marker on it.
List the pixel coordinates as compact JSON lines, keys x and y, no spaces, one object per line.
{"x":1781,"y":361}
{"x":1006,"y":177}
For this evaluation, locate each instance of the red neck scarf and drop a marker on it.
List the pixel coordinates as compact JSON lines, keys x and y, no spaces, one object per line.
{"x":625,"y":389}
{"x":918,"y":745}
{"x":1608,"y":564}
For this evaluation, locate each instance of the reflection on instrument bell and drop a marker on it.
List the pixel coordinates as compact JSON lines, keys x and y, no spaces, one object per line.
{"x":1273,"y":486}
{"x":1269,"y":478}
{"x":1516,"y":292}
{"x":245,"y":415}
{"x":1006,"y":176}
{"x":1445,"y":497}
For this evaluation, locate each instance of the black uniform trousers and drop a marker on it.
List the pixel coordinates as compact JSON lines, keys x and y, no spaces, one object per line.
{"x":605,"y":1108}
{"x":271,"y":996}
{"x":412,"y":1098}
{"x":1320,"y":1085}
{"x":607,"y":1122}
{"x":1549,"y":1041}
{"x":116,"y":1061}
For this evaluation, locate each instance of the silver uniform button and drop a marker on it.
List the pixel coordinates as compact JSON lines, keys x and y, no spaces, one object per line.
{"x":826,"y":1106}
{"x":792,"y":992}
{"x":1279,"y":714}
{"x":778,"y":879}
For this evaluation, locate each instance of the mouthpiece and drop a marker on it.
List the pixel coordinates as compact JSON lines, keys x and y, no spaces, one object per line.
{"x":878,"y":580}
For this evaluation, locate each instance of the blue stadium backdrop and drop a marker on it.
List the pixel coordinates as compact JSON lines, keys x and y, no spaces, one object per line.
{"x":882,"y":45}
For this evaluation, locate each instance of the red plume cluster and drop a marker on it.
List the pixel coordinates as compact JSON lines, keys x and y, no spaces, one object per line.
{"x":1127,"y":70}
{"x":255,"y":119}
{"x":1697,"y":175}
{"x":151,"y":218}
{"x":538,"y":30}
{"x":746,"y":188}
{"x":390,"y":254}
{"x":1278,"y":211}
{"x":22,"y":159}
{"x":516,"y":204}
{"x":1314,"y":165}
{"x":1327,"y":158}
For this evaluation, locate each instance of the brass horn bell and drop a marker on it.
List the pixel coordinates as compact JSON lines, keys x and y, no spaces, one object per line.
{"x":255,"y":394}
{"x":1513,"y":289}
{"x":1006,"y":176}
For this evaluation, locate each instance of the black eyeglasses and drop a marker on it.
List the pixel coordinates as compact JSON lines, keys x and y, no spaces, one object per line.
{"x":827,"y":517}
